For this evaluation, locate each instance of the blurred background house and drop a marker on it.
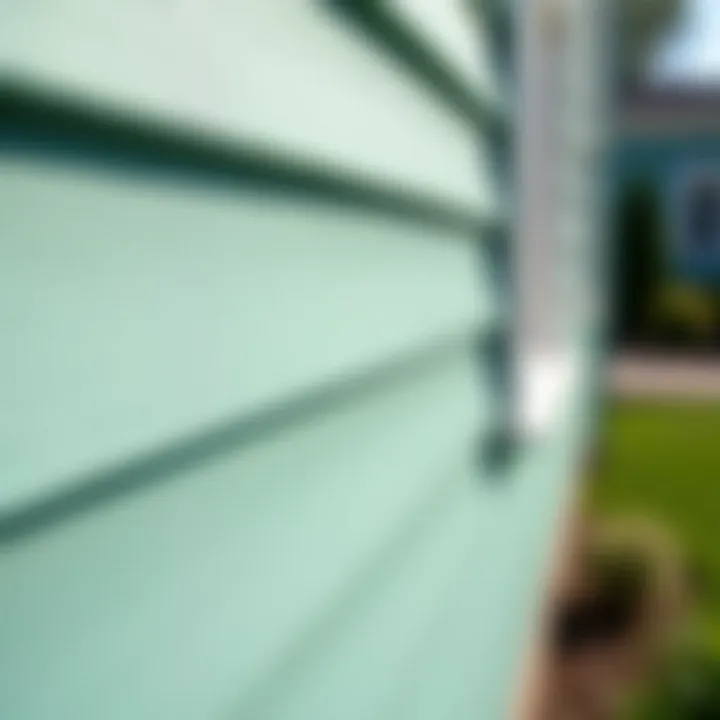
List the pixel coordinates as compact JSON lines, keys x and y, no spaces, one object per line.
{"x":667,"y":247}
{"x":666,"y":188}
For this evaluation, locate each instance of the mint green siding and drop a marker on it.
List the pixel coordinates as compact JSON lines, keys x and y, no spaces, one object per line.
{"x":246,"y":297}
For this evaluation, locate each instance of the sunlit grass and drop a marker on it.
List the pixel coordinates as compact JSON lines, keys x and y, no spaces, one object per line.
{"x":663,"y":459}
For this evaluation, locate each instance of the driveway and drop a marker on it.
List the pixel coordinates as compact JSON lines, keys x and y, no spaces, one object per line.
{"x":645,"y":376}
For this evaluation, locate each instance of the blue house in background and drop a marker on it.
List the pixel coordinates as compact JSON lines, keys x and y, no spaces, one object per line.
{"x":670,"y":137}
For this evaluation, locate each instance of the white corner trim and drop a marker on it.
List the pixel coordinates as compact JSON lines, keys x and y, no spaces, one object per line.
{"x":547,"y":381}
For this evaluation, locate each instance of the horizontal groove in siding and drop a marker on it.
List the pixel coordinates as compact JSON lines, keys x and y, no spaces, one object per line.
{"x":497,"y":614}
{"x":143,"y":310}
{"x":78,"y":495}
{"x":427,"y":689}
{"x":236,"y":563}
{"x":459,"y":687}
{"x":308,"y":664}
{"x":499,"y":14}
{"x":367,"y":645}
{"x":399,"y":38}
{"x":292,"y":80}
{"x":38,"y":121}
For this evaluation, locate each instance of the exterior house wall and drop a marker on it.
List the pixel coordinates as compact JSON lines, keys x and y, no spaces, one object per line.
{"x":247,"y":296}
{"x":673,"y":155}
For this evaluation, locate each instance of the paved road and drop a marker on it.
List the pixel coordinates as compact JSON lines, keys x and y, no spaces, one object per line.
{"x":657,"y":377}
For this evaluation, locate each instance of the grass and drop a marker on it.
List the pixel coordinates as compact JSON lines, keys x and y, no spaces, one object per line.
{"x":663,"y":460}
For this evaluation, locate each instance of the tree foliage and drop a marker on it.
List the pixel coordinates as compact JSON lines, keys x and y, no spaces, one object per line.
{"x":640,"y":24}
{"x":638,"y":260}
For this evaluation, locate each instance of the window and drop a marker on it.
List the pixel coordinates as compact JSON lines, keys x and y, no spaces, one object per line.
{"x":697,"y":222}
{"x":702,"y":215}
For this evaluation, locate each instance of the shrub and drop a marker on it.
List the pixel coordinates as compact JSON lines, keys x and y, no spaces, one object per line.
{"x":685,"y":314}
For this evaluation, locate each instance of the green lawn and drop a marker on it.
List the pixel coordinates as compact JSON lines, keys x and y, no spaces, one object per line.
{"x":663,"y":459}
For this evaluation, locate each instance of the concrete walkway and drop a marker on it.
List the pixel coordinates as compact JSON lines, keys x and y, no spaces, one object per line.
{"x":644,"y":376}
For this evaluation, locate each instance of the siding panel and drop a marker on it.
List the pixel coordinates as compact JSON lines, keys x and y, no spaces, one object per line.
{"x":242,"y":419}
{"x":291,"y":77}
{"x":142,"y":313}
{"x":183,"y":600}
